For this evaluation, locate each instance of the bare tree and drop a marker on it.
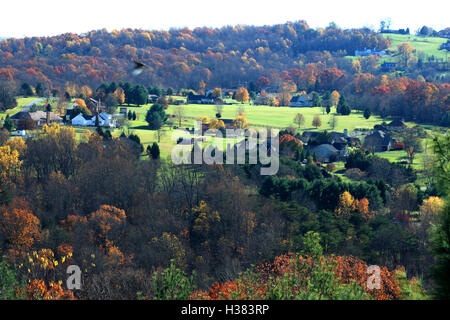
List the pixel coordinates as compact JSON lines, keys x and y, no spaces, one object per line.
{"x":299,"y":120}
{"x":160,"y":133}
{"x":179,"y":114}
{"x":219,"y":109}
{"x":333,"y":121}
{"x":240,"y":110}
{"x":317,"y":122}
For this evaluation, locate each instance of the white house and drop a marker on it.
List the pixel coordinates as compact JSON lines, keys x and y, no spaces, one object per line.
{"x":106,"y":120}
{"x":80,"y":120}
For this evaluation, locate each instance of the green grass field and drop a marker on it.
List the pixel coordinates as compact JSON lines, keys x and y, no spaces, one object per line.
{"x":21,"y":102}
{"x":428,"y":45}
{"x":281,"y":117}
{"x":258,"y":116}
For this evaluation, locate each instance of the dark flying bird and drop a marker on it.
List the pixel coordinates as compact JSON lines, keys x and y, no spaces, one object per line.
{"x":139,"y":67}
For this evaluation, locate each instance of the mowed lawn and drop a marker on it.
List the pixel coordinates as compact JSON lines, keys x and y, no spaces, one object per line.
{"x":258,"y":116}
{"x":281,"y":117}
{"x":428,"y":45}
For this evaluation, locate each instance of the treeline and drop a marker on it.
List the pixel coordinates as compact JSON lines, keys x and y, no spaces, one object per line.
{"x":181,"y":58}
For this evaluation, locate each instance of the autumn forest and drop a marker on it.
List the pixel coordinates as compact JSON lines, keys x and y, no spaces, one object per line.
{"x":102,"y":194}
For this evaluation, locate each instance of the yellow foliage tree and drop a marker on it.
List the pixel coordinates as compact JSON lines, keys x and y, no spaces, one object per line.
{"x":57,"y":132}
{"x":432,"y":206}
{"x":17,"y":144}
{"x":119,"y":95}
{"x":241,"y":122}
{"x":216,"y":124}
{"x":86,"y":91}
{"x":356,"y":66}
{"x":205,"y":218}
{"x":204,"y":119}
{"x":170,"y":242}
{"x":345,"y":204}
{"x":335,"y":98}
{"x":9,"y":165}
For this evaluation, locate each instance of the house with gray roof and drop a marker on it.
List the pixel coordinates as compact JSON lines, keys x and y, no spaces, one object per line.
{"x":327,"y":153}
{"x":25,"y":120}
{"x":303,"y":100}
{"x":378,"y":141}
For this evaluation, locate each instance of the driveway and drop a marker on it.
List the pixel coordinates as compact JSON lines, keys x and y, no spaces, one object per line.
{"x":27,"y":107}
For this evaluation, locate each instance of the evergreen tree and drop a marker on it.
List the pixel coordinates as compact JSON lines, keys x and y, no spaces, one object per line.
{"x":39,"y":89}
{"x":140,"y":95}
{"x":156,"y":116}
{"x":128,"y":89}
{"x":26,"y":90}
{"x":135,"y":138}
{"x":441,"y":234}
{"x":317,"y":100}
{"x":343,"y":107}
{"x":154,"y":152}
{"x":8,"y":124}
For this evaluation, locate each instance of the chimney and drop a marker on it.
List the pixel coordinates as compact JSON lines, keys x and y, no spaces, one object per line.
{"x":48,"y":108}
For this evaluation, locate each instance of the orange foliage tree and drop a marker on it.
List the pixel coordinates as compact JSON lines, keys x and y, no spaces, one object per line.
{"x":242,"y":95}
{"x":19,"y":225}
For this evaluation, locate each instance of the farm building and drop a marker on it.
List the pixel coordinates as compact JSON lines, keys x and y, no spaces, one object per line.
{"x":30,"y":120}
{"x":396,"y":125}
{"x":301,"y":101}
{"x":199,"y":99}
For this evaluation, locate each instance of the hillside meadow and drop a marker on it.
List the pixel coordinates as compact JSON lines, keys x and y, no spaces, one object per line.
{"x":428,"y":45}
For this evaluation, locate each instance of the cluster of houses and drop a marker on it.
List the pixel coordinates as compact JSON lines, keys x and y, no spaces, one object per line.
{"x":369,"y":52}
{"x":377,"y":140}
{"x":27,"y":120}
{"x":99,"y":116}
{"x":336,"y":150}
{"x":380,"y":139}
